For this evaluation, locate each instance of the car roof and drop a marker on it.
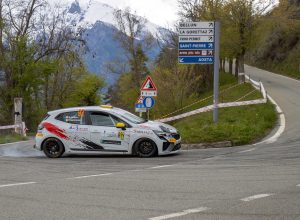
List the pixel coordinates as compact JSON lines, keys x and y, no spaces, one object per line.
{"x":87,"y":108}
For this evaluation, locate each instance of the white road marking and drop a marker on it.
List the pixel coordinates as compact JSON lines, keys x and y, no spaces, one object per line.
{"x":259,"y":196}
{"x":95,"y":175}
{"x":281,"y":124}
{"x":245,"y":151}
{"x":16,"y":184}
{"x":157,"y":167}
{"x":178,"y":214}
{"x":298,"y":185}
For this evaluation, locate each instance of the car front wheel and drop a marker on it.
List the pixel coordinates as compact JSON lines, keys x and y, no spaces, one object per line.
{"x":53,"y":148}
{"x":145,"y":148}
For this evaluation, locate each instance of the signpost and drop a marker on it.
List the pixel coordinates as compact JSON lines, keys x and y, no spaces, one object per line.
{"x":199,"y":43}
{"x":146,"y":101}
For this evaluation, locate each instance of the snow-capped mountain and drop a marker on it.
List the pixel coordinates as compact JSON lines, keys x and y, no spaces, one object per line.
{"x":100,"y":26}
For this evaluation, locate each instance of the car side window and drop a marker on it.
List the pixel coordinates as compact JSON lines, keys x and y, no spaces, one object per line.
{"x":101,"y":119}
{"x":117,"y":120}
{"x":74,"y":117}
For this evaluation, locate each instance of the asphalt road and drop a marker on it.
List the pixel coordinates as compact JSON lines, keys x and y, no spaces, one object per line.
{"x":248,"y":182}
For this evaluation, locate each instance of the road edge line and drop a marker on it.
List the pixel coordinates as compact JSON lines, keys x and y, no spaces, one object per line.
{"x":281,"y":126}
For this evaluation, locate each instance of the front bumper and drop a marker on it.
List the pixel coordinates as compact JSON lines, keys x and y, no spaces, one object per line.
{"x":169,"y":147}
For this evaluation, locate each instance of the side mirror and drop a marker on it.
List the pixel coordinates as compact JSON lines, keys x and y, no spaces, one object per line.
{"x":121,"y":125}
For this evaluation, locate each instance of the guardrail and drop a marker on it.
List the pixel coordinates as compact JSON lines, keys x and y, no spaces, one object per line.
{"x":257,"y":85}
{"x":19,"y":127}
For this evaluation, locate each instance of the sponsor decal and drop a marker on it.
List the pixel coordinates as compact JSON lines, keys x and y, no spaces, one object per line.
{"x":121,"y":135}
{"x":111,"y":134}
{"x":142,"y":132}
{"x":90,"y":145}
{"x":111,"y":142}
{"x":55,"y":130}
{"x":73,"y":118}
{"x":78,"y":128}
{"x":144,"y":126}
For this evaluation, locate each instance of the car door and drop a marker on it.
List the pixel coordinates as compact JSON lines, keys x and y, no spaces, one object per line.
{"x":105,"y":135}
{"x":74,"y":125}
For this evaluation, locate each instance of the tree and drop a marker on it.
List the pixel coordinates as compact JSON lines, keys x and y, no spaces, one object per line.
{"x":243,"y":16}
{"x":130,"y":28}
{"x":40,"y":59}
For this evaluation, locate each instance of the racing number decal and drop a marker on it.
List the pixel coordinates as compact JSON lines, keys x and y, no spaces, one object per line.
{"x":121,"y":135}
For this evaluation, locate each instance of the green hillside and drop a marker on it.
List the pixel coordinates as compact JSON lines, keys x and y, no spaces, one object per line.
{"x":277,"y":41}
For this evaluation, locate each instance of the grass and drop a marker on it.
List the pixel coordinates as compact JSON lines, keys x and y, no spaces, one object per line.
{"x":227,"y":94}
{"x":8,"y":138}
{"x":240,"y":125}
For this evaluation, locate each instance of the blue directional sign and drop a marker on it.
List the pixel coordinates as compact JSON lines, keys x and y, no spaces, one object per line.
{"x":196,"y":36}
{"x":195,"y":60}
{"x":148,"y":102}
{"x":195,"y":45}
{"x":139,"y":106}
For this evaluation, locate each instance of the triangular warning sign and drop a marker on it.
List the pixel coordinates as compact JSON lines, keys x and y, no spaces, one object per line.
{"x":140,"y":100}
{"x":148,"y":85}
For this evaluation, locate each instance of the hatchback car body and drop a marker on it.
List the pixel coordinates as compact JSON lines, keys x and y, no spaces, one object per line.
{"x":104,"y":130}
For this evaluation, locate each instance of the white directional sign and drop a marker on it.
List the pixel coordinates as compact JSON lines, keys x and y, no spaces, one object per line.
{"x":198,"y":25}
{"x":196,"y":38}
{"x":197,"y":32}
{"x":196,"y":42}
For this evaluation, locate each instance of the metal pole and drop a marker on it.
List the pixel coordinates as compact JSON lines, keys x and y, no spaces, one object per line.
{"x":148,"y":114}
{"x":216,"y":71}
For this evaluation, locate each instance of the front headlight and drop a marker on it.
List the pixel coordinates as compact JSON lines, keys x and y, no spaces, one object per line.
{"x":161,"y":134}
{"x":165,"y":136}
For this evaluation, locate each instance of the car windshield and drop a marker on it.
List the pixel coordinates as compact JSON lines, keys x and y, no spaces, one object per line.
{"x":132,"y":118}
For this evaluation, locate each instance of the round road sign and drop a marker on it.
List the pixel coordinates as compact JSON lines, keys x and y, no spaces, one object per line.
{"x":148,"y":102}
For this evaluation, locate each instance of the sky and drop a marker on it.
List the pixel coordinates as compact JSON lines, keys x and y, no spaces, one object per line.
{"x":161,"y":12}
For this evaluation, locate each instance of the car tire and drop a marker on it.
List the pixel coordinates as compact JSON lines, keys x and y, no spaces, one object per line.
{"x":145,"y":148}
{"x":53,"y":148}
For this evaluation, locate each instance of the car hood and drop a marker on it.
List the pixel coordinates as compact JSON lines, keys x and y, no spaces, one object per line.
{"x":153,"y":125}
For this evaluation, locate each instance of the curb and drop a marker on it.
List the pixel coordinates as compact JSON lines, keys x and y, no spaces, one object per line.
{"x":221,"y":144}
{"x":280,"y":124}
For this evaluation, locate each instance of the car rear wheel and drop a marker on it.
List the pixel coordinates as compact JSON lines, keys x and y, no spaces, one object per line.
{"x":145,"y":148}
{"x":53,"y":148}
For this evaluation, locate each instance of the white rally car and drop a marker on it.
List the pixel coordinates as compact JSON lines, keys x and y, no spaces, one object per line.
{"x":104,"y":129}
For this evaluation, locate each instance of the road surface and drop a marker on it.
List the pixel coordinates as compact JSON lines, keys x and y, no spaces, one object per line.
{"x":248,"y":182}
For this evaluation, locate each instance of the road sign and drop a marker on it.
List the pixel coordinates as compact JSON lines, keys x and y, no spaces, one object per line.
{"x":199,"y":60}
{"x":195,"y":46}
{"x":200,"y":24}
{"x":139,"y":106}
{"x":196,"y":52}
{"x":196,"y":32}
{"x":148,"y":88}
{"x":196,"y":39}
{"x":148,"y":102}
{"x":196,"y":42}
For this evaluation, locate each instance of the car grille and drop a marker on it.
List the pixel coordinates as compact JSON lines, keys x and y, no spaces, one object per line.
{"x":165,"y":145}
{"x":176,"y":147}
{"x":176,"y":136}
